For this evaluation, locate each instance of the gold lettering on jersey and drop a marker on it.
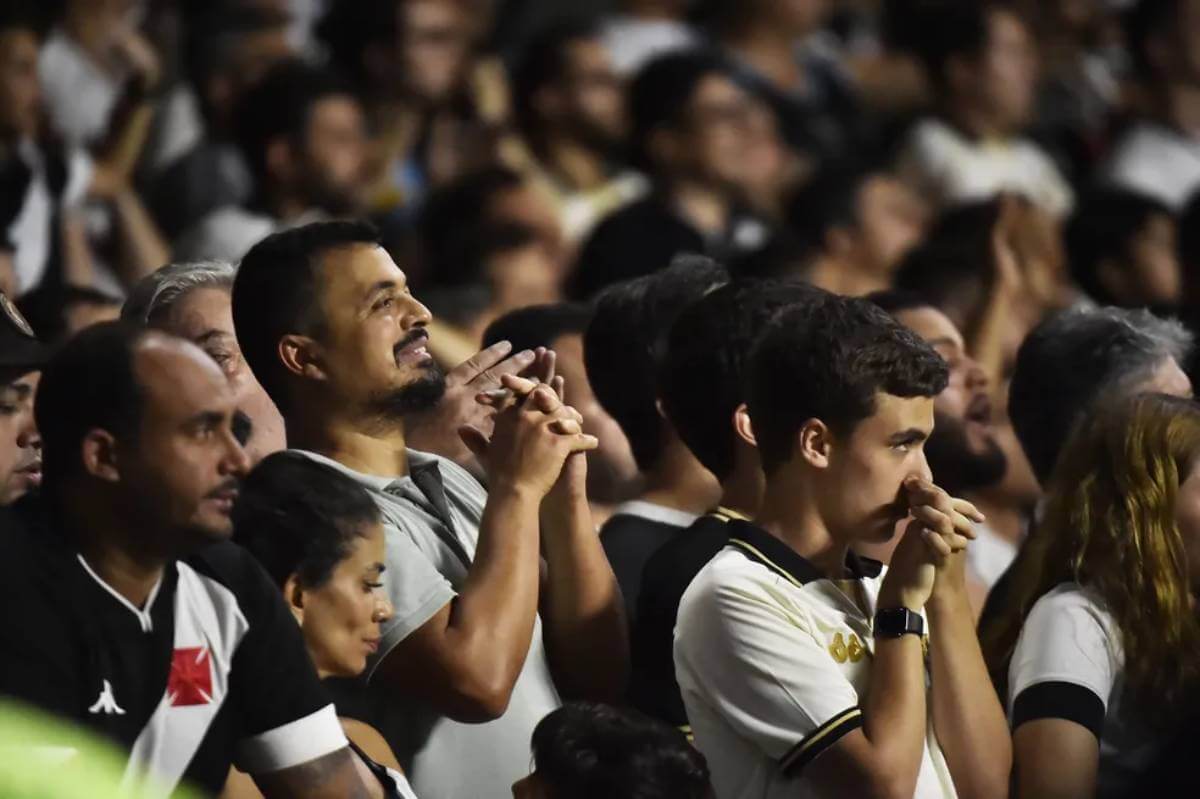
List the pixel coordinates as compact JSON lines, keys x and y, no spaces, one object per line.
{"x":842,"y":650}
{"x":855,"y":649}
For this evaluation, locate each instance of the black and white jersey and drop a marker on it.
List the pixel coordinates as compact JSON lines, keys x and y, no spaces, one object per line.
{"x":211,"y":671}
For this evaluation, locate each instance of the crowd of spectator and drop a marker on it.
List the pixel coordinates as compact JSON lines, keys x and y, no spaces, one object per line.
{"x":654,"y":399}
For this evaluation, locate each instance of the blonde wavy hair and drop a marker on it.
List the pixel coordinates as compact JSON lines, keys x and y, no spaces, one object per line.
{"x":1110,"y":525}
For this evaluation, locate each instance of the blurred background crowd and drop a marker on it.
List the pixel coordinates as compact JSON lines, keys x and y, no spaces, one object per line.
{"x":519,"y":152}
{"x":1001,"y":160}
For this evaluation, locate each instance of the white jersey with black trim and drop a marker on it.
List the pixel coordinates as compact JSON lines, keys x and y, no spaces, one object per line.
{"x":1069,"y":664}
{"x":772,"y":658}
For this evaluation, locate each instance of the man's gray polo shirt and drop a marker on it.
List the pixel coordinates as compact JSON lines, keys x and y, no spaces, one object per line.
{"x":431,"y":523}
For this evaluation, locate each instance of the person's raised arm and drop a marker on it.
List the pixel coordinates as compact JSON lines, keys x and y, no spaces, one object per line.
{"x":467,"y":658}
{"x":967,"y":715}
{"x":883,"y":758}
{"x":582,"y":611}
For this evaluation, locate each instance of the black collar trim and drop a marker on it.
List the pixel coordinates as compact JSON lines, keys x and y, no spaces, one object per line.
{"x":762,"y":547}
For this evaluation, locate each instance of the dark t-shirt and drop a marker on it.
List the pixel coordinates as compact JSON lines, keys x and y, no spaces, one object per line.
{"x":208,"y":673}
{"x":629,"y":541}
{"x":665,"y":578}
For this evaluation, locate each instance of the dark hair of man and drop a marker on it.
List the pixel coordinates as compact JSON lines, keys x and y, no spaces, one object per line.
{"x":623,"y":344}
{"x":591,"y":751}
{"x":1105,"y":224}
{"x":828,"y":360}
{"x":954,"y":264}
{"x":1145,"y":20}
{"x":702,"y":379}
{"x":89,"y":384}
{"x":1075,"y":358}
{"x":349,"y":30}
{"x":46,"y":307}
{"x":281,"y":105}
{"x":949,"y":29}
{"x":26,"y":15}
{"x":544,"y":61}
{"x":826,"y":201}
{"x":457,"y":233}
{"x":275,"y":293}
{"x":213,"y":31}
{"x":660,"y":93}
{"x":538,"y":325}
{"x":297,"y":516}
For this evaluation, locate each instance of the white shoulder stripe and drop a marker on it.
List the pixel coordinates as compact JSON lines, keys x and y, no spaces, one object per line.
{"x":293,"y":744}
{"x":209,"y":626}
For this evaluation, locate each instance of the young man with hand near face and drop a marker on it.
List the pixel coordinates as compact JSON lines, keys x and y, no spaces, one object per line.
{"x":803,"y":666}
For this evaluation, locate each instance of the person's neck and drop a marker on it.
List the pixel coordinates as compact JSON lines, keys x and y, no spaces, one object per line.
{"x":704,"y":208}
{"x":742,"y":489}
{"x":678,"y":481}
{"x":976,"y":122}
{"x":789,"y":514}
{"x":574,"y":165}
{"x":771,"y":50}
{"x":379,"y":452}
{"x":89,"y":34}
{"x":130,"y":570}
{"x":844,"y":277}
{"x":1181,"y":104}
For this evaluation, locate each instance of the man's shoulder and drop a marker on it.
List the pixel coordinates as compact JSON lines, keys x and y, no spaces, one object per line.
{"x":689,"y":551}
{"x":232,"y":567}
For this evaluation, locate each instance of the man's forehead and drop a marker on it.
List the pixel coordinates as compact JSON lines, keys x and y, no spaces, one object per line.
{"x":355,"y":269}
{"x":202,"y":311}
{"x":932,"y":325}
{"x":178,"y":374}
{"x":891,"y":410}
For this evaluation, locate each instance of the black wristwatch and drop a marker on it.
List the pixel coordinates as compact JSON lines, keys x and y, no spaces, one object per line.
{"x":897,"y":622}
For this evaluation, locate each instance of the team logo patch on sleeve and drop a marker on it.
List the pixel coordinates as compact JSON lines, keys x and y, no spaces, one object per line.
{"x":190,"y":682}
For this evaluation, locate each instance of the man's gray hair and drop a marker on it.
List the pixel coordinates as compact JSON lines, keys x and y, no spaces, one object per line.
{"x":1078,"y":357}
{"x":154,"y":295}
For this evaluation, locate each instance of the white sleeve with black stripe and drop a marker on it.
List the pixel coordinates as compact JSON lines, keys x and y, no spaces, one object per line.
{"x":1066,"y":661}
{"x":767,"y":676}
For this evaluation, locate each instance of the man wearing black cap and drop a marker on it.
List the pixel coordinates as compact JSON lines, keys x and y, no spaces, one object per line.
{"x":21,"y":359}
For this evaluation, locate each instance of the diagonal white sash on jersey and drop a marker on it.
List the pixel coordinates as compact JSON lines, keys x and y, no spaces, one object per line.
{"x":207,"y":617}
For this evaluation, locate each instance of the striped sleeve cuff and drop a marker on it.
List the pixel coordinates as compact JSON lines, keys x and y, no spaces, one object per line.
{"x":292,"y":744}
{"x":820,"y":739}
{"x":1060,"y":700}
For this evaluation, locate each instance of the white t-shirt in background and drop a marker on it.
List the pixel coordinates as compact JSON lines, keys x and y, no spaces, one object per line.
{"x":953,"y":168}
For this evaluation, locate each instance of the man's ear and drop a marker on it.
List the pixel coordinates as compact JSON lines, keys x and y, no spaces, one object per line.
{"x":293,"y":595}
{"x":742,"y":425}
{"x":99,"y":452}
{"x":814,"y":443}
{"x":301,"y":356}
